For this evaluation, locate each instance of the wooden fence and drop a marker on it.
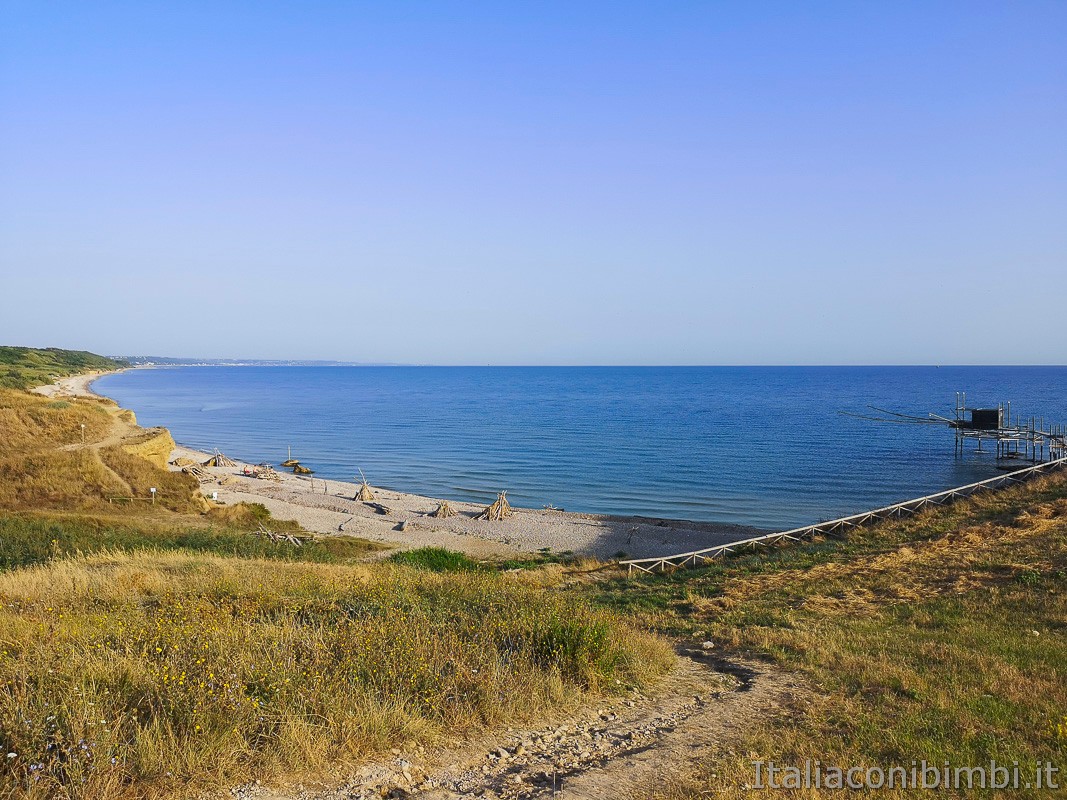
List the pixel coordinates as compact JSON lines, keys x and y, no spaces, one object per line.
{"x":697,"y":557}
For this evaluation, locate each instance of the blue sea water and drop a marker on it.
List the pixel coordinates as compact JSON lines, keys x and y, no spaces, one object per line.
{"x":761,"y":446}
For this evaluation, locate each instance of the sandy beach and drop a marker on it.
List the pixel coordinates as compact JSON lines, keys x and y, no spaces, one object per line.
{"x":403,"y":520}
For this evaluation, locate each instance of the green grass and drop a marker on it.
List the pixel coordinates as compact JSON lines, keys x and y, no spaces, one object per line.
{"x":543,"y":558}
{"x":435,"y":559}
{"x":25,"y":367}
{"x":30,"y":540}
{"x":964,"y":678}
{"x":440,"y":559}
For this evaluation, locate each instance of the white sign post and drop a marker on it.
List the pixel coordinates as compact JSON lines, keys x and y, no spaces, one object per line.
{"x":153,"y":491}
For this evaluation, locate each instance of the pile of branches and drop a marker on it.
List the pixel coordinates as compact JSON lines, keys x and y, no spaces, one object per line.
{"x":263,"y":472}
{"x":279,"y":537}
{"x":198,"y":473}
{"x":498,"y":510}
{"x":443,"y":511}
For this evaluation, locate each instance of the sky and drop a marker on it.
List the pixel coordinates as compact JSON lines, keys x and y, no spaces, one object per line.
{"x":537,"y":183}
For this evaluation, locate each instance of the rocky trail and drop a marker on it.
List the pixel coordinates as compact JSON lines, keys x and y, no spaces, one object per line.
{"x":609,"y":751}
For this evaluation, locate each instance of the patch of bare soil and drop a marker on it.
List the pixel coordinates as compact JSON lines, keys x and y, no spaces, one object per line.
{"x":611,"y":751}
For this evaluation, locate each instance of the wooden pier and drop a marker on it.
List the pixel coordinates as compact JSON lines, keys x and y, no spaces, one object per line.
{"x":897,"y":510}
{"x":1015,"y":440}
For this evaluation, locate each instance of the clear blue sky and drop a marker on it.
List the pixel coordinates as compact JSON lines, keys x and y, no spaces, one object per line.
{"x":541,"y":183}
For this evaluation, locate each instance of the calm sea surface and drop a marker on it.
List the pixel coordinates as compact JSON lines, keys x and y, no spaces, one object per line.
{"x":761,"y":446}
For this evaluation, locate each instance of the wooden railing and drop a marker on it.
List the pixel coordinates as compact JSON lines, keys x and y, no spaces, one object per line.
{"x":668,"y":563}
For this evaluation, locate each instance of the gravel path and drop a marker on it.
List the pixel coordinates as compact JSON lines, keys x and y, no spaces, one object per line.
{"x":615,"y":750}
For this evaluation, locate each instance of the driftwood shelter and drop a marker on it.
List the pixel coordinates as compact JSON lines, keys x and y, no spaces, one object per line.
{"x":498,"y":510}
{"x":365,"y":493}
{"x":219,"y":460}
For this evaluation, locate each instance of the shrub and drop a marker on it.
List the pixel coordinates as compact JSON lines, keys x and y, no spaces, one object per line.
{"x":435,"y":559}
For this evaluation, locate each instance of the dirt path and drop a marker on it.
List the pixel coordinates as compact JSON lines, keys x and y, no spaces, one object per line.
{"x":120,"y":431}
{"x":611,"y":751}
{"x":119,"y":480}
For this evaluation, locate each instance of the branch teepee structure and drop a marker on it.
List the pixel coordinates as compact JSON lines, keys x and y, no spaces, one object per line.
{"x":365,"y":493}
{"x":498,"y":510}
{"x":219,"y":460}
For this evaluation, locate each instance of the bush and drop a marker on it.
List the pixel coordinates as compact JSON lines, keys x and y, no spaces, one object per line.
{"x":435,"y":559}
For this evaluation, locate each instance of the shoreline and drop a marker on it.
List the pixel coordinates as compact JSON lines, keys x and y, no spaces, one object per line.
{"x":329,"y":507}
{"x":77,"y":385}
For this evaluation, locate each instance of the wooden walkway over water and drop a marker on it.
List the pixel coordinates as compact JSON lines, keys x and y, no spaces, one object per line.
{"x":698,"y":557}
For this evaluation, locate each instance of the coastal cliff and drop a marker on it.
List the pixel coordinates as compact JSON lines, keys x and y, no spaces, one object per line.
{"x":154,"y":445}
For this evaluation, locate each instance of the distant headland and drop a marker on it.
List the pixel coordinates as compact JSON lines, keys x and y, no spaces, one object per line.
{"x":169,"y":361}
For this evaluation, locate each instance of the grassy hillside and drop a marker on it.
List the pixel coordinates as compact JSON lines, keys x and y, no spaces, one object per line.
{"x":942,"y":637}
{"x":25,"y":367}
{"x":57,"y":454}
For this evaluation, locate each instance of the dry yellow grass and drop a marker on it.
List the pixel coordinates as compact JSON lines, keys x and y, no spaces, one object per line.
{"x":45,"y":464}
{"x":122,"y":674}
{"x":32,"y":423}
{"x":968,"y":556}
{"x":58,"y":480}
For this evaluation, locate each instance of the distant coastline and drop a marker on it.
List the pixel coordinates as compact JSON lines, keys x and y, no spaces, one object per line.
{"x":166,"y":361}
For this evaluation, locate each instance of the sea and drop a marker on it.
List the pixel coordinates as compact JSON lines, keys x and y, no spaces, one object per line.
{"x":769,"y":447}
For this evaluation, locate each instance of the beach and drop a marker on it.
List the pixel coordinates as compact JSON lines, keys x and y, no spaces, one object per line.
{"x":329,"y":507}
